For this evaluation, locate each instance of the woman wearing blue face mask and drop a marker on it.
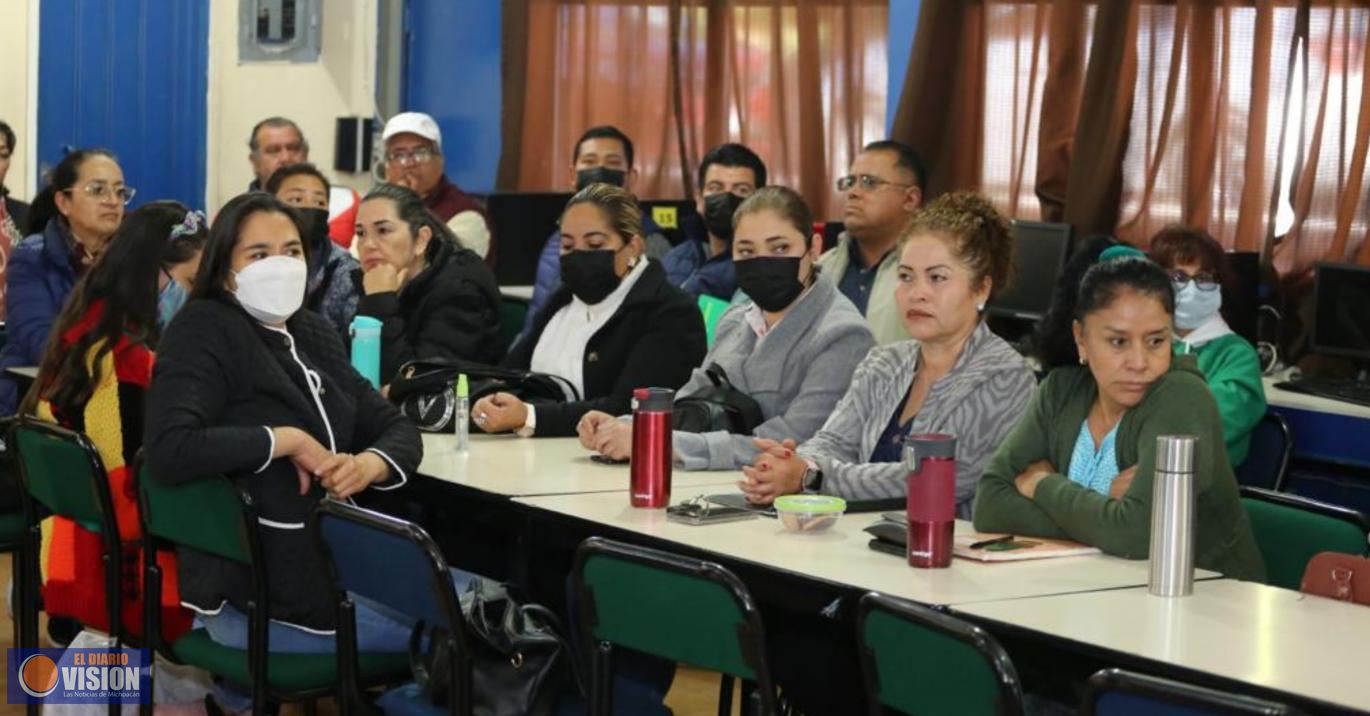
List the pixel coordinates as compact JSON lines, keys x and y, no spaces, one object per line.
{"x":92,"y":378}
{"x":1198,"y":271}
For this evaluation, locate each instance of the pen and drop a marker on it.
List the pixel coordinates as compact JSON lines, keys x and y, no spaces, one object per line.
{"x":985,"y":543}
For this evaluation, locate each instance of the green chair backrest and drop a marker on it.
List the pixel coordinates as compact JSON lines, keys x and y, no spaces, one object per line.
{"x":930,"y":670}
{"x":205,"y":514}
{"x":1289,"y":535}
{"x":62,"y":471}
{"x":712,"y":309}
{"x":693,"y":618}
{"x":512,"y":313}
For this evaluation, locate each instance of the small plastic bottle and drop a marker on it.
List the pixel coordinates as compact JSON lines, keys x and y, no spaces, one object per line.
{"x":462,"y":415}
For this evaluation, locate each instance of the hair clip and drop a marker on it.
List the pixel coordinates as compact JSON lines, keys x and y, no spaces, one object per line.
{"x":190,"y":225}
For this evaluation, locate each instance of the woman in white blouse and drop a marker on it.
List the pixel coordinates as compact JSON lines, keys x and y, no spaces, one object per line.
{"x":614,"y":325}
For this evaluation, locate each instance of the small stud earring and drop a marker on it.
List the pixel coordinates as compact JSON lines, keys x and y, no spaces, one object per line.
{"x":980,"y":307}
{"x":1083,"y":361}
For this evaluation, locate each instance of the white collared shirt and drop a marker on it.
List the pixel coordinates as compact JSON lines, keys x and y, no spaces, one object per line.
{"x":561,"y":349}
{"x":1212,"y":329}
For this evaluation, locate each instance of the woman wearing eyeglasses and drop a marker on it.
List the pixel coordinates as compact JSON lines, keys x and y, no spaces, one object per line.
{"x":1198,"y":272}
{"x":69,"y":225}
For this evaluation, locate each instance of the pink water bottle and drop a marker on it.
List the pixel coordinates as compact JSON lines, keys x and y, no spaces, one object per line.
{"x":652,"y":451}
{"x":931,"y":462}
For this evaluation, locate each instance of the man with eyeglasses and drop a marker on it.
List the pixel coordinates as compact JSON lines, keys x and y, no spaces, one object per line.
{"x":882,"y":191}
{"x":275,"y":142}
{"x":702,"y":264}
{"x":413,"y":158}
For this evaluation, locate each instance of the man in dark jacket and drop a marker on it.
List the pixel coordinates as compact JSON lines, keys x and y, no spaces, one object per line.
{"x":703,"y":263}
{"x":275,"y":142}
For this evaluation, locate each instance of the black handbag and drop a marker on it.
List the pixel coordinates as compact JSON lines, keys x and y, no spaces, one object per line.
{"x":521,"y":661}
{"x":425,"y":389}
{"x":718,"y":407}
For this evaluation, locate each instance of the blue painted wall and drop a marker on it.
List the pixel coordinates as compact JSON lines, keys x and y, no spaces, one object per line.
{"x":903,"y":24}
{"x":130,"y":77}
{"x":452,"y":71}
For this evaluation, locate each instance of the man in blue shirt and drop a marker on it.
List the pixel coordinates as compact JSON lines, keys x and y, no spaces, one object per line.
{"x":604,"y":154}
{"x":703,"y":263}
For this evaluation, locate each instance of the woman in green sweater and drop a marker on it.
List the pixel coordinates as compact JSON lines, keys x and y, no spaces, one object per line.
{"x":1079,"y":465}
{"x":1199,"y":273}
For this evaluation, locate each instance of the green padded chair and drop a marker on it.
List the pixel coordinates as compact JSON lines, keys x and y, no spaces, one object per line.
{"x":918,"y":660}
{"x":213,"y":516}
{"x":685,"y":610}
{"x":63,"y":475}
{"x":1291,"y":529}
{"x":512,"y":313}
{"x":712,"y":310}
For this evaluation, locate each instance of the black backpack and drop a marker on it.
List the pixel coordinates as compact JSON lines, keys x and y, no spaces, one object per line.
{"x":717,"y":407}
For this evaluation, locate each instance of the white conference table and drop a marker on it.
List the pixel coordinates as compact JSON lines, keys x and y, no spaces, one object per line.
{"x":513,"y":467}
{"x":840,"y":555}
{"x":1280,"y":398}
{"x":1248,"y":632}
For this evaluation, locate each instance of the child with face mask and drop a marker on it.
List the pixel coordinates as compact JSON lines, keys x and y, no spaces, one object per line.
{"x":1198,"y":271}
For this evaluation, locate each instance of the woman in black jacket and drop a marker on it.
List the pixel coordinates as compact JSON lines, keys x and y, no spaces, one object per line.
{"x":248,"y":386}
{"x":614,"y":325}
{"x":435,"y":298}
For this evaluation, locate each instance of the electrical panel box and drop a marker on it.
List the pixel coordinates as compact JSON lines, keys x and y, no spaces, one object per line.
{"x":279,"y":31}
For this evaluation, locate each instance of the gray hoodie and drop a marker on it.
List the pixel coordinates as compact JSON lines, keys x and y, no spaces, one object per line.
{"x":978,"y":402}
{"x":796,"y":373}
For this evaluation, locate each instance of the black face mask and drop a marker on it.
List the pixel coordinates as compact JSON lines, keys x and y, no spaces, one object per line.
{"x":600,"y":175}
{"x":718,"y":214}
{"x":772,"y":282}
{"x":590,"y":274}
{"x":315,"y":227}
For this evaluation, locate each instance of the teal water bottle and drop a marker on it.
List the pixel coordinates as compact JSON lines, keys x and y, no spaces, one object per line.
{"x":366,"y":348}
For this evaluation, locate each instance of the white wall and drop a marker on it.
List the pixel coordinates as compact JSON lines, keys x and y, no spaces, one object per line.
{"x":341,"y":83}
{"x":19,"y":59}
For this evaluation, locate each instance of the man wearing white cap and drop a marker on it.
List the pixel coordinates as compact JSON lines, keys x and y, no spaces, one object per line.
{"x":413,"y":158}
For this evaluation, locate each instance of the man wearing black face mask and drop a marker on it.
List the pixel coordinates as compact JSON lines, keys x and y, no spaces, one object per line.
{"x":702,"y":264}
{"x":331,"y":291}
{"x":603,"y":155}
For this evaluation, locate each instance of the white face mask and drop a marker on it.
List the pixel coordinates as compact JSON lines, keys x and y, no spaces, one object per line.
{"x":272,"y":290}
{"x":1193,"y":307}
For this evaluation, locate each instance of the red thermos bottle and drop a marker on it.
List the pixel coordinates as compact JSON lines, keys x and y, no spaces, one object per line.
{"x":652,"y":451}
{"x":931,"y":462}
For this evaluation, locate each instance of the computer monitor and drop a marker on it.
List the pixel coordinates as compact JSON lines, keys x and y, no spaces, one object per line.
{"x":1039,"y":254}
{"x":1341,"y":313}
{"x":522,"y":222}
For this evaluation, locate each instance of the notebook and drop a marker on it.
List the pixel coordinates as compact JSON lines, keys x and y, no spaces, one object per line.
{"x":891,"y":532}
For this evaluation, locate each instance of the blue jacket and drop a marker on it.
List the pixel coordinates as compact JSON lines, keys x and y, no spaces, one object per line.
{"x":549,"y":266}
{"x":38,"y":280}
{"x":689,"y":267}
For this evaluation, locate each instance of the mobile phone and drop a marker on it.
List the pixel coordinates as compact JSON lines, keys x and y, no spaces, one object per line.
{"x":694,"y":513}
{"x":607,"y":460}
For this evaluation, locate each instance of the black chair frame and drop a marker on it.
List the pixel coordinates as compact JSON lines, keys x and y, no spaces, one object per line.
{"x":1010,"y":687}
{"x":1345,"y":514}
{"x":1177,"y":693}
{"x":751,"y":634}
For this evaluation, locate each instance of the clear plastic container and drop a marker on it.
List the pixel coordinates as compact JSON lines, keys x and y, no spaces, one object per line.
{"x":809,"y":514}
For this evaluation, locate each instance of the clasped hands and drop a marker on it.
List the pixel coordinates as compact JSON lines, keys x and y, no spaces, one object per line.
{"x":341,"y":474}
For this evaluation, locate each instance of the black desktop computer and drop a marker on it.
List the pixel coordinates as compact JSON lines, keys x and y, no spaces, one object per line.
{"x":1341,"y":328}
{"x":1039,"y":255}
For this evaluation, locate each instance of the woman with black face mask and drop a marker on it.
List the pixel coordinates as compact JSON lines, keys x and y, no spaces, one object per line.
{"x":792,"y":347}
{"x":331,"y":291}
{"x":613,"y":326}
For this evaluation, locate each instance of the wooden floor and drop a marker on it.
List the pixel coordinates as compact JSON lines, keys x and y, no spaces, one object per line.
{"x":694,"y":691}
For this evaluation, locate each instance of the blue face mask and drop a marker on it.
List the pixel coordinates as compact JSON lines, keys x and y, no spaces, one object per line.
{"x":169,"y":300}
{"x":1193,"y":307}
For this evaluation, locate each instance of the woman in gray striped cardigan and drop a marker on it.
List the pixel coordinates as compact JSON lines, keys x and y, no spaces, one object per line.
{"x":955,"y":377}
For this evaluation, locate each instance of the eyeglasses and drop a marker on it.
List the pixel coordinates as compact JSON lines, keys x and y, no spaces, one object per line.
{"x":869,"y":182}
{"x":99,"y":191}
{"x":406,"y":159}
{"x":1203,"y":280}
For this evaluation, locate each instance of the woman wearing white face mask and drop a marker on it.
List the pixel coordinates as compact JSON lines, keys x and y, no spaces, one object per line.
{"x":249,"y":386}
{"x":1198,"y":271}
